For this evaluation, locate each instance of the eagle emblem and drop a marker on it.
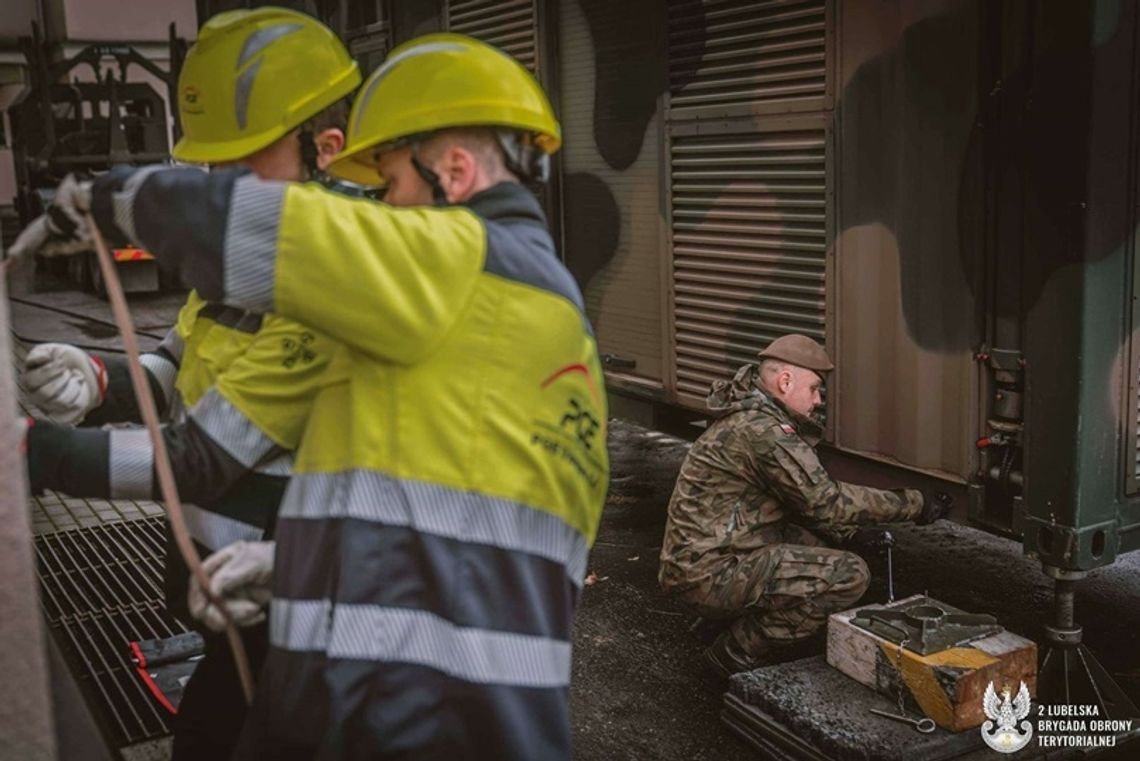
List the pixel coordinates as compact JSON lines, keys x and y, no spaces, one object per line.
{"x":1002,"y":732}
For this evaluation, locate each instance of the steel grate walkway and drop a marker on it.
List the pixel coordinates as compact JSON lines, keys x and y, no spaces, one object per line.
{"x":101,"y":588}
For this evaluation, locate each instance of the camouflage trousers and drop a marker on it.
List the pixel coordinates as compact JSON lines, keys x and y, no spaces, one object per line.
{"x":781,"y":593}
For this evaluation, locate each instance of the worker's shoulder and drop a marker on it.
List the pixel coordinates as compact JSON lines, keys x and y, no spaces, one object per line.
{"x":522,"y":252}
{"x":762,"y":427}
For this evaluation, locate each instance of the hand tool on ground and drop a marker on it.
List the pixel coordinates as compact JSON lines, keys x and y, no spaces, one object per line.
{"x":924,"y":725}
{"x":889,"y":540}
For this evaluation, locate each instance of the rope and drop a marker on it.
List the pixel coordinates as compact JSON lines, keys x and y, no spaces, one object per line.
{"x":161,"y":459}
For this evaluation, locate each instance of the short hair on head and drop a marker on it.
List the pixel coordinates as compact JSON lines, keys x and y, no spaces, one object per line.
{"x":333,"y":116}
{"x":481,"y":142}
{"x":770,"y":368}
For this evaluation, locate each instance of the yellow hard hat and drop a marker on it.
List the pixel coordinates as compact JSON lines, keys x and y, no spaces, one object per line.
{"x":254,"y":75}
{"x":439,"y":81}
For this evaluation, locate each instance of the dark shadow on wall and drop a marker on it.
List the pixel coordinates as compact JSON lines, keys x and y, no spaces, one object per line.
{"x":1026,"y":139}
{"x":924,"y":142}
{"x":631,"y":73}
{"x":594,"y":226}
{"x":905,"y":123}
{"x":629,"y":49}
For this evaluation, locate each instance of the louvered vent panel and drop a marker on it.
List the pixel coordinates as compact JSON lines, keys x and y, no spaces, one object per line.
{"x":749,"y":245}
{"x":508,"y":24}
{"x":724,"y":52}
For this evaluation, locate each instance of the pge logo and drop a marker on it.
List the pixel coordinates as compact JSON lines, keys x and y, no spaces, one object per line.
{"x":581,"y":422}
{"x":298,"y":350}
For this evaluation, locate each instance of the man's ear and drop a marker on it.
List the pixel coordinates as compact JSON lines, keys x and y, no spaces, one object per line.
{"x":459,"y":172}
{"x":784,"y":381}
{"x":330,"y":142}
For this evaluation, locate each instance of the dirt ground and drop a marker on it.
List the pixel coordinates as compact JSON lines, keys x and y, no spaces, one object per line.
{"x":638,"y":690}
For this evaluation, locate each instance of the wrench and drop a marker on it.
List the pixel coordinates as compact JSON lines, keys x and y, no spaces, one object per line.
{"x":890,"y":543}
{"x":924,"y":725}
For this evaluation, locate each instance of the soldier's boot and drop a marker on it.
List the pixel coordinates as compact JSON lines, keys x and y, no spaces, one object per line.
{"x":724,"y":657}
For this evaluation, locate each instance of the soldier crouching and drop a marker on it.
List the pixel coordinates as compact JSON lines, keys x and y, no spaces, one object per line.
{"x":752,"y":501}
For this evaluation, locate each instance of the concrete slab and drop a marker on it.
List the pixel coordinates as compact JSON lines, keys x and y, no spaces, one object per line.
{"x":152,"y":750}
{"x":831,"y":713}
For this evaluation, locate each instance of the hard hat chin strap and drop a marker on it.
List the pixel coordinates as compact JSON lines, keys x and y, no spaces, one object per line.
{"x":438,"y":196}
{"x":309,"y":153}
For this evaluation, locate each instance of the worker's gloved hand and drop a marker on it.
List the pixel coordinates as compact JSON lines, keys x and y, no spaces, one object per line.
{"x":935,"y":505}
{"x":64,"y":381}
{"x":62,"y":229}
{"x":240,"y":576}
{"x":870,"y":540}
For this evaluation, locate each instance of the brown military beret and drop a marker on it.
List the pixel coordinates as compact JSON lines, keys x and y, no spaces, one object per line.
{"x":798,"y":350}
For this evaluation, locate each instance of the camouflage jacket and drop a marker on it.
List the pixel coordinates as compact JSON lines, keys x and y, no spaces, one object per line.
{"x":754,"y":471}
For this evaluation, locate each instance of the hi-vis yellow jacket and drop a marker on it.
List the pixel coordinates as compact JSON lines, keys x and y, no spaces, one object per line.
{"x":433,"y":542}
{"x":238,"y":388}
{"x":242,"y":395}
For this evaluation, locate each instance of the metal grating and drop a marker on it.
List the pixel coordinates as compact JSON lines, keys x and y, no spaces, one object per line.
{"x":100,"y":588}
{"x":749,"y":246}
{"x":507,"y":24}
{"x":724,"y":52}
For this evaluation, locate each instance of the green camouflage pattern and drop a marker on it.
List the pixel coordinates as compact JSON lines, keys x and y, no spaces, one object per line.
{"x":781,"y":593}
{"x":750,"y":512}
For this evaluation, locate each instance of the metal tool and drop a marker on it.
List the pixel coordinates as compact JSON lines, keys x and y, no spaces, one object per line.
{"x":927,"y":626}
{"x":889,"y":542}
{"x":924,"y":725}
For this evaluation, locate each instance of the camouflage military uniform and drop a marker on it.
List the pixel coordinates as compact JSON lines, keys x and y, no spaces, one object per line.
{"x":743,"y":535}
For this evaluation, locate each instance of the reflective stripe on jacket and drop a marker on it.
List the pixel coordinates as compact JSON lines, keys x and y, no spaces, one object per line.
{"x":432,"y":547}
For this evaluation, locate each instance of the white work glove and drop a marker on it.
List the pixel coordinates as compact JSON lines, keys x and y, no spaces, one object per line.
{"x":65,"y":382}
{"x":240,"y":576}
{"x":62,"y":229}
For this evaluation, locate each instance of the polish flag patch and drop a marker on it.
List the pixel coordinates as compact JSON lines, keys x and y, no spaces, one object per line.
{"x":787,"y":428}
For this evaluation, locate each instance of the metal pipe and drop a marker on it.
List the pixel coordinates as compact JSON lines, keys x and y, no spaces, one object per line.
{"x":1016,"y":478}
{"x":1064,"y":593}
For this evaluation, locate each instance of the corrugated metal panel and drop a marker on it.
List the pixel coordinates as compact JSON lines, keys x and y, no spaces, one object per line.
{"x":508,"y":24}
{"x":624,"y":292}
{"x":724,"y":52}
{"x":749,"y":223}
